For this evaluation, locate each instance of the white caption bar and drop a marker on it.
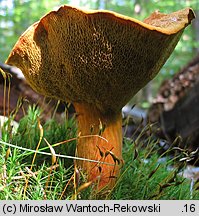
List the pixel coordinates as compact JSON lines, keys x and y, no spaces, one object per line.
{"x":100,"y":207}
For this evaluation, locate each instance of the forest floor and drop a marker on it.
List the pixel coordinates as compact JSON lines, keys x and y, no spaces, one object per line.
{"x":148,"y":171}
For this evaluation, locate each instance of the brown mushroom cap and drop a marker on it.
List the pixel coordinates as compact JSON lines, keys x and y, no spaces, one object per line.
{"x":97,"y":57}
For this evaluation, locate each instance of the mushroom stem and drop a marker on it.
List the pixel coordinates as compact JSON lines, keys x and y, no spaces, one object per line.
{"x":101,"y":140}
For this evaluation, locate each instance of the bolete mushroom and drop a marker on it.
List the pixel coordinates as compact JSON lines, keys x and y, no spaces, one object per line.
{"x":98,"y":60}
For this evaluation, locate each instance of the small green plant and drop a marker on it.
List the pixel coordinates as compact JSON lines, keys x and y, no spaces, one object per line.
{"x":149,"y":175}
{"x":30,"y":128}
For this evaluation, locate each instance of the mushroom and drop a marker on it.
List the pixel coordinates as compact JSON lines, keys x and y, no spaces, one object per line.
{"x":98,"y":60}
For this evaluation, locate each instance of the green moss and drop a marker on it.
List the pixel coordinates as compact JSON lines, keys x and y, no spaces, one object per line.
{"x":146,"y":173}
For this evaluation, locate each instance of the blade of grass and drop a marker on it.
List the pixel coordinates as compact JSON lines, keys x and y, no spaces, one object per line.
{"x":34,"y":157}
{"x":31,"y":151}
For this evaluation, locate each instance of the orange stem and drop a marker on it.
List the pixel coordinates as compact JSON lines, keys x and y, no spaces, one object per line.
{"x":107,"y":148}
